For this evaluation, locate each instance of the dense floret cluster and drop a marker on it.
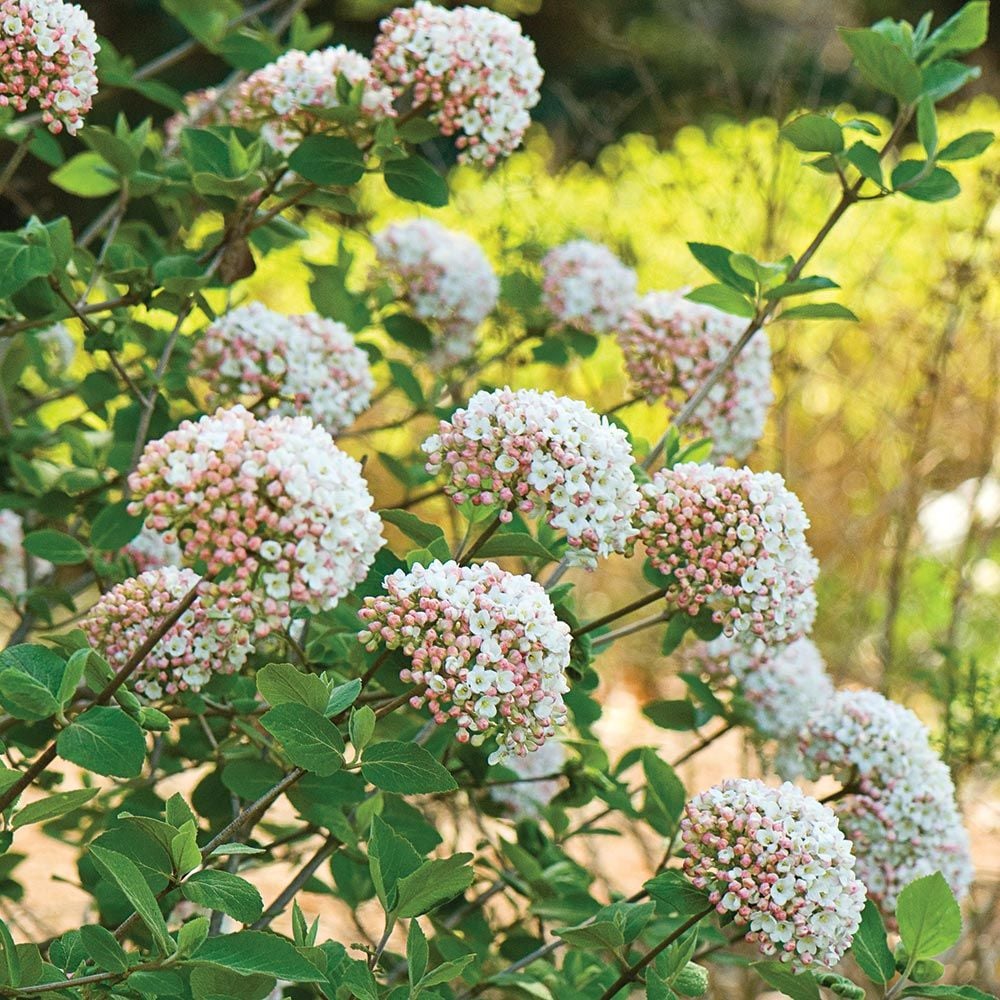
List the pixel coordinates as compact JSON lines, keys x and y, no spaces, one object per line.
{"x":732,"y":541}
{"x":536,"y":787}
{"x":445,"y":279}
{"x":486,"y":650}
{"x":203,"y":641}
{"x":308,"y":364}
{"x":776,"y":860}
{"x":48,"y":53}
{"x":277,"y":513}
{"x":901,"y":813}
{"x":585,"y":286}
{"x":295,"y":95}
{"x":537,"y":452}
{"x":469,"y":68}
{"x":671,"y":345}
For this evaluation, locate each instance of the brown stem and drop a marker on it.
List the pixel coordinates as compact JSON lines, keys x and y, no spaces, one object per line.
{"x":612,"y":616}
{"x":701,"y":744}
{"x":480,"y":541}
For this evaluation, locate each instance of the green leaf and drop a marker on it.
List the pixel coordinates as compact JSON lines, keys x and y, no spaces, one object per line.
{"x":342,"y":697}
{"x":447,"y":971}
{"x":818,"y":310}
{"x":665,"y":794}
{"x":417,"y":953}
{"x":599,"y":934}
{"x":434,"y":883}
{"x":123,"y":872}
{"x":882,"y":64}
{"x":673,"y":893}
{"x":106,"y":741}
{"x":56,"y":547}
{"x":866,"y":159}
{"x":361,"y":727}
{"x":208,"y":22}
{"x":930,"y":920}
{"x":673,"y":634}
{"x":391,"y":857}
{"x":723,"y":298}
{"x":812,"y":283}
{"x":673,"y":713}
{"x":283,"y":683}
{"x":51,"y":806}
{"x":962,"y":33}
{"x":86,"y":175}
{"x":405,"y":768}
{"x":403,"y":378}
{"x":948,"y":993}
{"x":114,"y":150}
{"x":938,"y":185}
{"x":513,"y":543}
{"x":114,"y":527}
{"x":26,"y":698}
{"x":417,"y":130}
{"x":310,"y":740}
{"x":416,"y":180}
{"x":715,"y":259}
{"x":192,"y":935}
{"x":408,"y":331}
{"x":24,"y":256}
{"x":328,"y":160}
{"x":927,"y":126}
{"x":11,"y":960}
{"x":965,"y":147}
{"x":102,"y":946}
{"x":421,"y":532}
{"x":813,"y":133}
{"x":870,"y":948}
{"x":221,"y":890}
{"x":801,"y":986}
{"x":259,"y":952}
{"x":944,"y":78}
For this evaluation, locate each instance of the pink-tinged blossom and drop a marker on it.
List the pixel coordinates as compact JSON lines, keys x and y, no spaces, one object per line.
{"x":469,"y":68}
{"x":586,"y":287}
{"x":201,"y":107}
{"x":204,"y":640}
{"x":777,"y":862}
{"x":293,"y":96}
{"x":525,"y":799}
{"x":671,"y":346}
{"x":445,"y":279}
{"x":304,"y":364}
{"x":539,"y":453}
{"x":153,"y":550}
{"x":901,"y":813}
{"x":731,"y":541}
{"x":278,"y":514}
{"x":47,"y":55}
{"x":486,"y":649}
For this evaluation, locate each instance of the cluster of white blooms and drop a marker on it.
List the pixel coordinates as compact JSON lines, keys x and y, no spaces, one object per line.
{"x":526,"y":798}
{"x":585,"y":286}
{"x":486,"y":649}
{"x":292,"y":97}
{"x":780,"y":684}
{"x":12,"y":574}
{"x":279,"y":515}
{"x":538,"y":452}
{"x":445,"y":279}
{"x":470,"y":68}
{"x":203,"y":641}
{"x":201,"y":107}
{"x":901,"y":814}
{"x":776,"y":860}
{"x":733,"y":541}
{"x":48,"y":53}
{"x":58,"y":347}
{"x":309,"y":364}
{"x":153,"y":550}
{"x":671,"y":345}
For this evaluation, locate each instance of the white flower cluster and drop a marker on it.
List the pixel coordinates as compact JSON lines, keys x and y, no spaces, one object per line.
{"x":58,"y":347}
{"x":444,"y":277}
{"x":470,"y":67}
{"x":536,"y":451}
{"x":12,"y":575}
{"x":153,"y":550}
{"x":526,"y":798}
{"x":777,"y":861}
{"x":671,"y":346}
{"x":901,"y":816}
{"x":310,"y":364}
{"x":585,"y":286}
{"x":287,"y":98}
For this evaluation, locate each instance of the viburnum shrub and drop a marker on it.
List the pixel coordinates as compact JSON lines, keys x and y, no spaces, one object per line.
{"x":238,"y":656}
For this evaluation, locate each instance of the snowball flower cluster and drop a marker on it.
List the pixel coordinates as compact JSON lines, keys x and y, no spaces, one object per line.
{"x":277,"y":513}
{"x":203,"y":641}
{"x":777,"y":861}
{"x":12,"y":574}
{"x":47,"y":55}
{"x":486,"y":649}
{"x":671,"y":345}
{"x":471,"y":68}
{"x":585,"y":286}
{"x":536,"y":451}
{"x":151,"y":550}
{"x":311,"y":365}
{"x":780,"y":684}
{"x":901,"y":814}
{"x":733,"y":541}
{"x":293,"y":96}
{"x":444,"y":277}
{"x":536,"y":788}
